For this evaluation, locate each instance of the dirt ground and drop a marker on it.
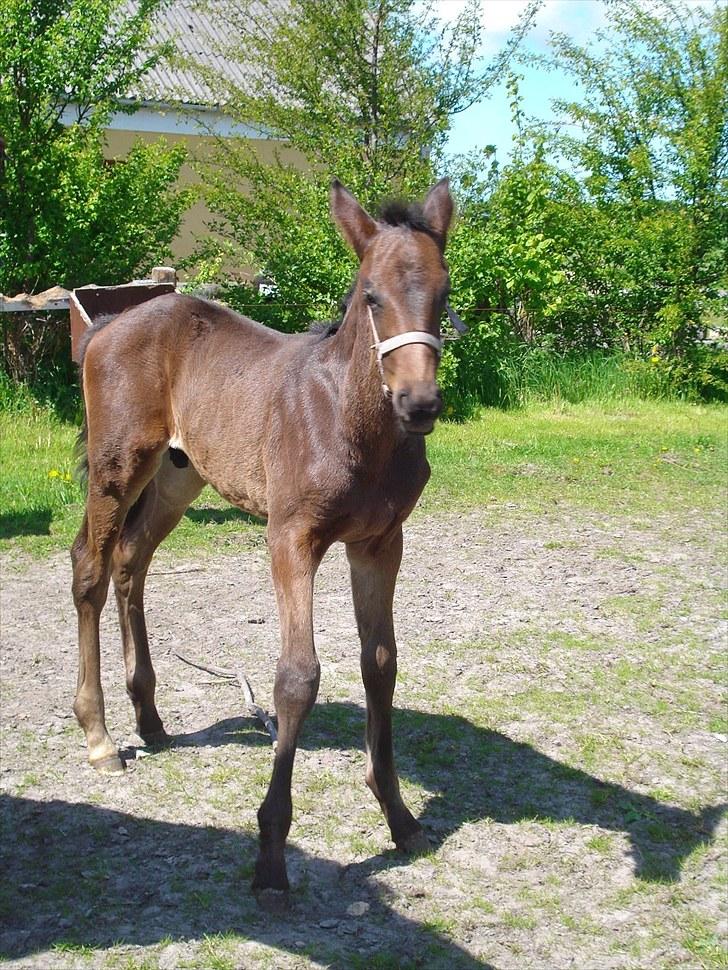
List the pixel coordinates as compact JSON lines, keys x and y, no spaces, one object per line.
{"x":560,"y":732}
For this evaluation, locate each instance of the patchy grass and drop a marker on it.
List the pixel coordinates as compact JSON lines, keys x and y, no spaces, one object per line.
{"x":560,"y":727}
{"x":702,"y":941}
{"x":73,"y":948}
{"x":647,"y":456}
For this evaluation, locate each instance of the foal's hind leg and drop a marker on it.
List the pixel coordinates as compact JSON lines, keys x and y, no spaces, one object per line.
{"x":90,"y":555}
{"x":157,"y":511}
{"x":112,"y":489}
{"x":374,"y":568}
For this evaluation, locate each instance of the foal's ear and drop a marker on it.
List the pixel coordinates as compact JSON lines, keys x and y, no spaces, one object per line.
{"x":438,"y":209}
{"x":357,"y":226}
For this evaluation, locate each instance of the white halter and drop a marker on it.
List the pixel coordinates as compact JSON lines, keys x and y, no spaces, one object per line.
{"x":384,"y":347}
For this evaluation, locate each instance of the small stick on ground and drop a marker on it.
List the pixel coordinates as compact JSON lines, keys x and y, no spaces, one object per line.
{"x":242,"y":681}
{"x":255,"y":709}
{"x":176,"y":571}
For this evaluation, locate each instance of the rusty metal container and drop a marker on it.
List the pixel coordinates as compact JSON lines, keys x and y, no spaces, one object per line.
{"x":95,"y":304}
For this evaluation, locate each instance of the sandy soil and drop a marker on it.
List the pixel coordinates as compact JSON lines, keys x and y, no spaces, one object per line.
{"x":559,"y":732}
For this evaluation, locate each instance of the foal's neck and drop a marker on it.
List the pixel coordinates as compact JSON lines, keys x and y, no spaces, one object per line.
{"x":369,"y":420}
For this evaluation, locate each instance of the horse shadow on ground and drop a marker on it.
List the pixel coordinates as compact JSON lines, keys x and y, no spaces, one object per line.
{"x":208,"y":515}
{"x":83,"y":875}
{"x":473,"y":773}
{"x":78,"y":877}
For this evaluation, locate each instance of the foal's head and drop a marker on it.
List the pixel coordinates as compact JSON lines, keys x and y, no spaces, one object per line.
{"x":401,"y":290}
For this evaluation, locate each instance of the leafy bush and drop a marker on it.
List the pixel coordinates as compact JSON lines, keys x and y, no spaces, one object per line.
{"x":36,"y":366}
{"x":490,"y":367}
{"x":602,"y":252}
{"x":67,"y":216}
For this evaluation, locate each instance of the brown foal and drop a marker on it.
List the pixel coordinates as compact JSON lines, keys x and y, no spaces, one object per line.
{"x":321,"y":433}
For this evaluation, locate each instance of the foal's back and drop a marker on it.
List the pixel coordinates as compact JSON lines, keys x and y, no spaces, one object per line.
{"x":179,"y":335}
{"x":193,"y":374}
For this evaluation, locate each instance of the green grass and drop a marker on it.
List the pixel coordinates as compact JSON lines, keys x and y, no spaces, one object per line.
{"x":41,"y":505}
{"x":517,"y":376}
{"x":592,"y":376}
{"x":704,"y":943}
{"x":519,"y":921}
{"x":638,"y":457}
{"x":72,"y":947}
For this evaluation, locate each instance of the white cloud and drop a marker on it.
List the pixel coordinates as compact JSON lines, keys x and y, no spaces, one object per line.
{"x":499,"y":16}
{"x":576,"y":17}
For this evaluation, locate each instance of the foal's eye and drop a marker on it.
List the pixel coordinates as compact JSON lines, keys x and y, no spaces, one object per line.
{"x":371,"y":299}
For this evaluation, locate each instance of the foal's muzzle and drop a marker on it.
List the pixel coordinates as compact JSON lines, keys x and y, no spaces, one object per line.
{"x":418,"y":406}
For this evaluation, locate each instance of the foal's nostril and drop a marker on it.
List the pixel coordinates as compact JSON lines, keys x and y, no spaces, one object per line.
{"x":427,"y":406}
{"x":419,"y":406}
{"x":426,"y":411}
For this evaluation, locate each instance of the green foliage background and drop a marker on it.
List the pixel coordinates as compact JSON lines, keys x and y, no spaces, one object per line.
{"x":591,"y":264}
{"x":594,"y":259}
{"x":68,"y":217}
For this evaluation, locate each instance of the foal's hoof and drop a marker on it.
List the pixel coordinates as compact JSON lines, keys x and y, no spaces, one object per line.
{"x":415,"y":844}
{"x":113,"y":765}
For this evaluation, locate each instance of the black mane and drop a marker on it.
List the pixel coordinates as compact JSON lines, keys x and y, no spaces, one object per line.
{"x":410,"y":215}
{"x":324,"y":328}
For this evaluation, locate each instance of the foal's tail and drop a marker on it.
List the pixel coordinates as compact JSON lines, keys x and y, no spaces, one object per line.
{"x":80,"y":453}
{"x":80,"y":449}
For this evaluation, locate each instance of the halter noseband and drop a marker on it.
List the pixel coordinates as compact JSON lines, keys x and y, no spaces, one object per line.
{"x":384,"y":347}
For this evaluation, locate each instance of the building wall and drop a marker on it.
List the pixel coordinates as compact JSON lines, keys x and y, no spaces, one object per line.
{"x":184,"y":127}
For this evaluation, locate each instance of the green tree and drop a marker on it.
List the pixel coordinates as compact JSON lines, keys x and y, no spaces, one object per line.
{"x":66,"y":216}
{"x":363,"y":90}
{"x":510,"y":262}
{"x":651,"y":139}
{"x":507,"y":253}
{"x":611,"y":234}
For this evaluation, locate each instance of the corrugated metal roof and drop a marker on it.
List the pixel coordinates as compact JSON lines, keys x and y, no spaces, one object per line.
{"x":199,"y":35}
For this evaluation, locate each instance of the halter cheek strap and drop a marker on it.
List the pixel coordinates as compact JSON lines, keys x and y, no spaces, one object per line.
{"x":383,"y":347}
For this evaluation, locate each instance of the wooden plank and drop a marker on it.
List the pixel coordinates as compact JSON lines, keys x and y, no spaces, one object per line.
{"x":56,"y":298}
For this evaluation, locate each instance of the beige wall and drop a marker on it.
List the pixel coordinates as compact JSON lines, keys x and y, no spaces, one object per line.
{"x":193,"y":227}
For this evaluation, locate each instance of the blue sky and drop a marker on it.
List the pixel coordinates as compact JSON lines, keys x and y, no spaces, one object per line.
{"x":489,"y":123}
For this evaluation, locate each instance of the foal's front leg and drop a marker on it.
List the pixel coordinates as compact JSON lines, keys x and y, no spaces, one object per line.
{"x":295,"y":558}
{"x":374,"y":567}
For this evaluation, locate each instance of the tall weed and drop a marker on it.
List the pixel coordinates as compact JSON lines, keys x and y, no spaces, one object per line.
{"x":510,"y":375}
